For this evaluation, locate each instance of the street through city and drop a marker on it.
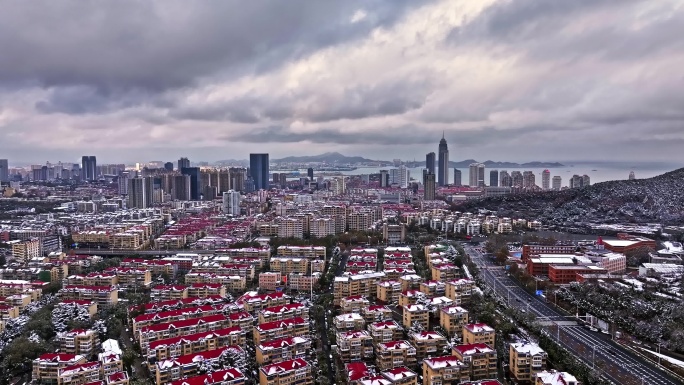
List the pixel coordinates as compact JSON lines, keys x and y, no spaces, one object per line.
{"x":595,"y":349}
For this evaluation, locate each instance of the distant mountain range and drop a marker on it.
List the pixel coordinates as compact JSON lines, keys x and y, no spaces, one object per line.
{"x":336,"y":157}
{"x":328,"y":157}
{"x":654,"y":200}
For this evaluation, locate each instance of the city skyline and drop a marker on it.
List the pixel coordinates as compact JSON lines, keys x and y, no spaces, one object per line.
{"x":382,"y":79}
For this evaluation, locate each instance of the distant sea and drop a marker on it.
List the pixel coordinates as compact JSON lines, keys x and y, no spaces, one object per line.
{"x":597,"y":171}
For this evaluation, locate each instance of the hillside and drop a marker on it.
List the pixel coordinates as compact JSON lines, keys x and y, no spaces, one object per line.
{"x":328,"y":157}
{"x":657,"y":199}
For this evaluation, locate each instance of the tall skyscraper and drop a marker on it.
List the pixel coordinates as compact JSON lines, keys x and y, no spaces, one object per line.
{"x":557,"y":183}
{"x":136,"y":193}
{"x":183,"y":163}
{"x":309,"y":173}
{"x":430,"y":160}
{"x":516,"y":179}
{"x":168,"y":166}
{"x":231,"y":202}
{"x":88,"y":168}
{"x":258,"y":170}
{"x":586,"y":181}
{"x":384,"y":178}
{"x":443,"y":163}
{"x":180,"y":187}
{"x":631,"y":174}
{"x":476,"y":174}
{"x":494,"y":178}
{"x":195,"y":183}
{"x":529,"y":179}
{"x":123,"y":183}
{"x":458,"y":178}
{"x":546,"y":179}
{"x":429,"y":187}
{"x":4,"y":170}
{"x":404,"y":176}
{"x":505,"y":179}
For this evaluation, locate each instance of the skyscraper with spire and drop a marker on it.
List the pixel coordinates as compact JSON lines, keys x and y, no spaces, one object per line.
{"x":443,"y":162}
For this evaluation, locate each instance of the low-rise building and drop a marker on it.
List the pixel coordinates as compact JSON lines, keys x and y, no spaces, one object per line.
{"x":480,"y":358}
{"x":231,"y":376}
{"x":78,"y":342}
{"x":525,"y":361}
{"x":349,"y":322}
{"x":399,"y":376}
{"x":452,"y":319}
{"x":478,"y":334}
{"x":376,"y":313}
{"x":180,"y":328}
{"x":291,"y":327}
{"x":410,"y":281}
{"x":354,"y":345}
{"x":282,"y":349}
{"x":385,"y":331}
{"x":46,"y":367}
{"x":169,"y":292}
{"x":168,"y":348}
{"x":388,"y":291}
{"x":552,"y":377}
{"x":427,"y":344}
{"x":393,"y":354}
{"x":356,"y":372}
{"x":410,"y":297}
{"x":353,"y":304}
{"x":445,"y":272}
{"x":253,"y":302}
{"x":433,"y":288}
{"x":103,"y":295}
{"x":281,"y":312}
{"x":356,"y":285}
{"x":444,"y":370}
{"x":85,"y":373}
{"x":297,"y":371}
{"x":416,"y":314}
{"x":460,"y":290}
{"x":181,"y":367}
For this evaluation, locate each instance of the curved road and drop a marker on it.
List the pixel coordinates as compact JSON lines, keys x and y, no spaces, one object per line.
{"x":596,"y":350}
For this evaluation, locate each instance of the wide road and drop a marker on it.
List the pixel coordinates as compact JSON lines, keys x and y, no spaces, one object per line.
{"x":597,"y":350}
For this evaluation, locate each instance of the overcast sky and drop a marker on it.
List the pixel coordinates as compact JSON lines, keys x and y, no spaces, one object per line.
{"x":516,"y":80}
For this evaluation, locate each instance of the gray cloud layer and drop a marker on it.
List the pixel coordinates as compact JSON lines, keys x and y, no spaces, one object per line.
{"x":515,"y":79}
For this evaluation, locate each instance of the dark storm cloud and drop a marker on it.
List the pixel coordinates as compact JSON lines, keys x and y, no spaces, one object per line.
{"x":161,"y":44}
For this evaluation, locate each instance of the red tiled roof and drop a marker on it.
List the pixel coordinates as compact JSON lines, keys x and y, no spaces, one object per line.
{"x":195,"y":337}
{"x":183,"y":323}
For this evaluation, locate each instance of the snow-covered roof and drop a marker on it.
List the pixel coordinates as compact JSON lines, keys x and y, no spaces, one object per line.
{"x":443,"y":362}
{"x":479,"y":328}
{"x":527,"y":348}
{"x":398,"y":374}
{"x":555,"y":378}
{"x":284,"y":366}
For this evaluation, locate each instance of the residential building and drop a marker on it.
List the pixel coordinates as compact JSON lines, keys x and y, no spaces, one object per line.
{"x":356,"y":372}
{"x":452,"y":319}
{"x":175,"y":369}
{"x":546,"y":179}
{"x":388,"y":291}
{"x":169,"y":292}
{"x":46,"y":368}
{"x":78,"y":342}
{"x":25,"y":250}
{"x":281,"y":312}
{"x":354,"y":345}
{"x":149,"y":334}
{"x":78,"y":374}
{"x":291,"y":327}
{"x":349,"y":322}
{"x":231,"y":202}
{"x":385,"y":331}
{"x":444,"y":370}
{"x":445,"y":272}
{"x":416,"y":314}
{"x":427,"y":344}
{"x":231,"y":376}
{"x":254,"y":302}
{"x":460,"y":290}
{"x":553,"y":377}
{"x":525,"y":361}
{"x":480,"y":358}
{"x":353,"y":304}
{"x":376,"y":313}
{"x":393,"y":354}
{"x":398,"y":376}
{"x":433,"y":288}
{"x":556,"y":183}
{"x":297,"y":371}
{"x":358,"y":284}
{"x":168,"y":348}
{"x":103,"y":295}
{"x":282,"y":349}
{"x":478,"y":334}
